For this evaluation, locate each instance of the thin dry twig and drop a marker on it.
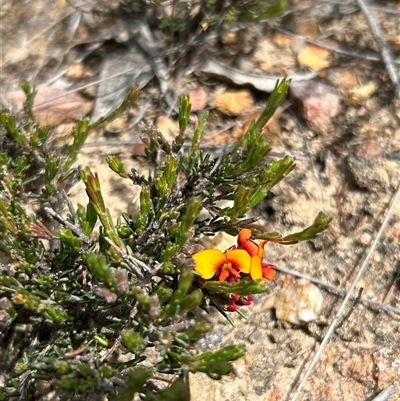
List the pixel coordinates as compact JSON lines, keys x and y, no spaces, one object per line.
{"x":384,"y":395}
{"x":339,"y":314}
{"x":75,"y":229}
{"x":351,"y":309}
{"x":384,"y":307}
{"x":117,"y":342}
{"x":385,"y":51}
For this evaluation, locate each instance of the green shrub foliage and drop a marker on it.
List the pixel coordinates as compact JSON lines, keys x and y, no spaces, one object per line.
{"x":109,"y":314}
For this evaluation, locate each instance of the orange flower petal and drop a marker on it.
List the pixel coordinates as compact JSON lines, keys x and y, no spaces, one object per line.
{"x":239,"y":259}
{"x":234,"y":272}
{"x":223,"y":275}
{"x":244,"y":235}
{"x":246,"y":243}
{"x":268,"y":271}
{"x":208,"y":262}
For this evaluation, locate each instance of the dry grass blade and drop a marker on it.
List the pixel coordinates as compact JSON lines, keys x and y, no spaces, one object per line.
{"x":340,"y":313}
{"x":385,"y":51}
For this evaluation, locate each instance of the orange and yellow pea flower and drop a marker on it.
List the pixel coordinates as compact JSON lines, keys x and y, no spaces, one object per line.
{"x":226,"y":266}
{"x":258,"y":269}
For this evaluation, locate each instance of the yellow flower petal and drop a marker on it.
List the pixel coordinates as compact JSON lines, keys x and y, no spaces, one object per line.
{"x":256,"y":268}
{"x":240,"y":259}
{"x":208,"y":262}
{"x":256,"y":262}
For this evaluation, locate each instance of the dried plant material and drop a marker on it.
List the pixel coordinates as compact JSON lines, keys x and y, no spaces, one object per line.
{"x":65,"y":107}
{"x":386,"y":53}
{"x":361,"y":93}
{"x":314,"y":58}
{"x":340,"y":312}
{"x":264,"y":83}
{"x":198,"y":98}
{"x":234,"y":103}
{"x":299,"y":303}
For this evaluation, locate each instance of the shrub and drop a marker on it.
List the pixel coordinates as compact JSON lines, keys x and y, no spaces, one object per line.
{"x":112,"y":314}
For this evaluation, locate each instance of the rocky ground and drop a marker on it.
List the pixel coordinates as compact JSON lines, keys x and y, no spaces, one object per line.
{"x":341,"y":123}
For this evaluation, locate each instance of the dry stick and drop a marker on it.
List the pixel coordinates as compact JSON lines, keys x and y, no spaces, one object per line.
{"x":338,"y":291}
{"x":118,"y":341}
{"x":339,"y":314}
{"x":385,"y":51}
{"x":384,"y":395}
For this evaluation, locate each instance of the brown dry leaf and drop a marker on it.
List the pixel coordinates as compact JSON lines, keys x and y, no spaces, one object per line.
{"x":69,"y":107}
{"x":234,"y":103}
{"x":264,"y":83}
{"x":314,"y":58}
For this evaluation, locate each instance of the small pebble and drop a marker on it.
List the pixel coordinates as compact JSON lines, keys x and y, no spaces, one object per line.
{"x":299,"y":303}
{"x":234,"y":103}
{"x":316,"y":102}
{"x":314,"y":58}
